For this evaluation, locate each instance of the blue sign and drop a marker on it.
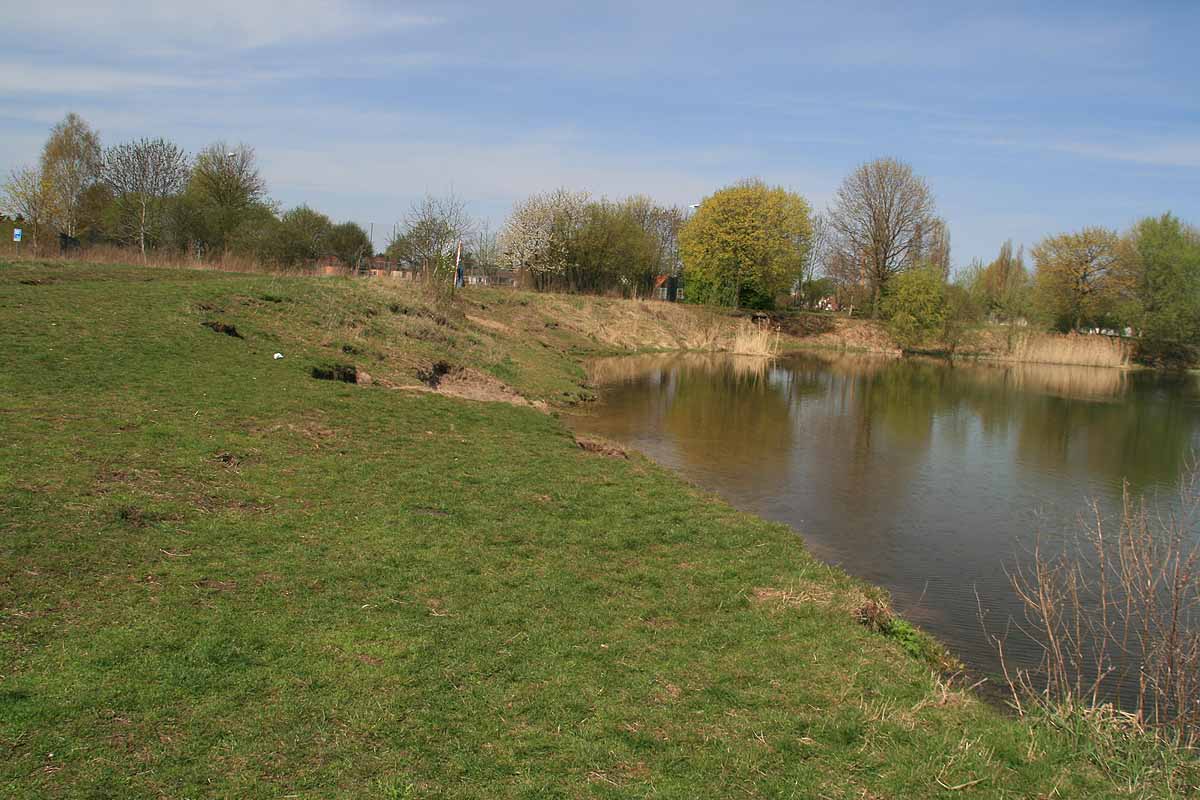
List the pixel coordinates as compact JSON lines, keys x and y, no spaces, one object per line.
{"x":16,"y":234}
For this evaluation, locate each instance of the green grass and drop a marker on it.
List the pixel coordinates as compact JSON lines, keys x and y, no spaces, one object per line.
{"x":220,"y":577}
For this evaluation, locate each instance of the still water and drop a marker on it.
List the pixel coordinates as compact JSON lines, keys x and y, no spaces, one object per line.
{"x":922,"y":477}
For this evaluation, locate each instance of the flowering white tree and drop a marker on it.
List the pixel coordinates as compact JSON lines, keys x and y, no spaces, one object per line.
{"x":536,"y":238}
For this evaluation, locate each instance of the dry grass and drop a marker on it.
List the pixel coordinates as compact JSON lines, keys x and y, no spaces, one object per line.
{"x":750,"y":339}
{"x":1116,"y":615}
{"x":640,"y":325}
{"x":110,"y":254}
{"x":1075,"y":349}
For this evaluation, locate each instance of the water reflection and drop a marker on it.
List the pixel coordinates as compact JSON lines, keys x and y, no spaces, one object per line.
{"x":921,"y":476}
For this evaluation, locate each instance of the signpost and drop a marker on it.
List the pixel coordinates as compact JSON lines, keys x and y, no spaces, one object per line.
{"x":16,"y":240}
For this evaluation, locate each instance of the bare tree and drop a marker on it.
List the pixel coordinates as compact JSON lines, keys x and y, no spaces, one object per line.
{"x":816,"y":257}
{"x":880,"y":216}
{"x":142,"y":175}
{"x":486,"y":250}
{"x":70,"y":165}
{"x":432,"y":231}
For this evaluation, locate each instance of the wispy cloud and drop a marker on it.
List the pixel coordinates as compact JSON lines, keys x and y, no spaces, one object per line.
{"x":1184,"y":153}
{"x":162,"y":26}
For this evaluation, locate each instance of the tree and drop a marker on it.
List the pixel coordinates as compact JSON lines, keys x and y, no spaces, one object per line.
{"x":433,"y":230}
{"x":1077,"y":279}
{"x":744,"y":245}
{"x":70,"y":165}
{"x":662,"y":225}
{"x":536,"y":237}
{"x":1160,"y":257}
{"x":224,"y":184}
{"x":485,"y":251}
{"x":27,"y":196}
{"x":303,"y":235}
{"x":1001,"y":288}
{"x":259,"y":235}
{"x":350,"y":243}
{"x":881,"y":218}
{"x":142,"y":176}
{"x":810,"y":288}
{"x":931,"y":247}
{"x":916,"y":306}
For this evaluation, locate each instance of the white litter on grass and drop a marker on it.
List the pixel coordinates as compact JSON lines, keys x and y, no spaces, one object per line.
{"x":277,"y":356}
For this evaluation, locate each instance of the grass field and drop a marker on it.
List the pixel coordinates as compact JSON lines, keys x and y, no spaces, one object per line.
{"x":223,"y":578}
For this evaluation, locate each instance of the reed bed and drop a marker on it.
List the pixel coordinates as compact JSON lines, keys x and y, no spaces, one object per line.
{"x":1076,"y":349}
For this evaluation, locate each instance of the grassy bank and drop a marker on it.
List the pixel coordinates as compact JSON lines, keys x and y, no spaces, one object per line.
{"x":223,"y":577}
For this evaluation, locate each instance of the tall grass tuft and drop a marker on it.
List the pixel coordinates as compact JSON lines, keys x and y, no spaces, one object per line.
{"x":751,"y":339}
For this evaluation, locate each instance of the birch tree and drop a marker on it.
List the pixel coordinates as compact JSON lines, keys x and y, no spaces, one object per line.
{"x":70,"y":166}
{"x":142,"y":176}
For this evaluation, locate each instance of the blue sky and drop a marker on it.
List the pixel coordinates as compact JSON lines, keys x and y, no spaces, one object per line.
{"x":1026,"y":119}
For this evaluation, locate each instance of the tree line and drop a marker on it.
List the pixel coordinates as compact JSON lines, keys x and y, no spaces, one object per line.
{"x":879,"y":249}
{"x":152,"y":195}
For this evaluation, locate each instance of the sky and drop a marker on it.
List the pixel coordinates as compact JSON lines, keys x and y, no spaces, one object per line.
{"x":1026,"y":119}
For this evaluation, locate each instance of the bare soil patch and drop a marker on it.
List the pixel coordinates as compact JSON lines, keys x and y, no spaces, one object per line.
{"x":346,"y":373}
{"x":221,"y":327}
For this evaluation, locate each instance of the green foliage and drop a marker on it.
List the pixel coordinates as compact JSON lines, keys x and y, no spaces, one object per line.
{"x":349,"y":242}
{"x":1162,"y":256}
{"x":257,"y":234}
{"x":1078,"y":281}
{"x":915,"y":306}
{"x":745,"y":245}
{"x":612,"y":249}
{"x":303,"y":235}
{"x":1001,"y":290}
{"x":224,"y":187}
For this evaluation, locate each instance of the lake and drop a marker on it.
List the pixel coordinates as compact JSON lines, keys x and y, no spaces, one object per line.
{"x":924,"y":477}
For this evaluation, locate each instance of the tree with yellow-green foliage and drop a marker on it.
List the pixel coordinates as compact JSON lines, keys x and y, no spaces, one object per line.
{"x":744,"y":245}
{"x":1079,"y":281}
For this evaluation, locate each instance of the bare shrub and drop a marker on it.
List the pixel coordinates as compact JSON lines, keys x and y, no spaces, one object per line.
{"x":1116,"y":615}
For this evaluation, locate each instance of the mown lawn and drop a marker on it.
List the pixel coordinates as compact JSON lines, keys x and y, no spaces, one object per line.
{"x":220,"y":577}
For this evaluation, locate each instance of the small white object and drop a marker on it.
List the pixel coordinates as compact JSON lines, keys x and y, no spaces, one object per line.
{"x":277,"y":356}
{"x":17,"y":234}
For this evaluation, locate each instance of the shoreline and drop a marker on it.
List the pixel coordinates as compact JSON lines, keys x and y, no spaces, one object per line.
{"x":260,"y":582}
